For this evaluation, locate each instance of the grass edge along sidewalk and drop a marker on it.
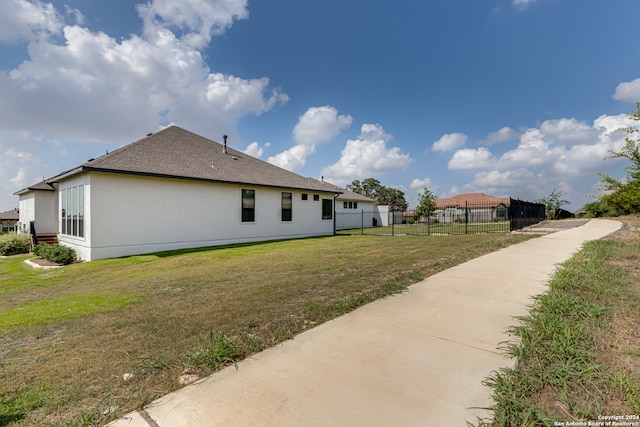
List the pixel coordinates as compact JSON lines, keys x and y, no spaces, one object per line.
{"x":188,"y":313}
{"x":577,"y":352}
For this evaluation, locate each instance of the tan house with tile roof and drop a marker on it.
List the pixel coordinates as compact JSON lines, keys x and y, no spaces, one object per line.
{"x":479,"y":207}
{"x":173,"y":190}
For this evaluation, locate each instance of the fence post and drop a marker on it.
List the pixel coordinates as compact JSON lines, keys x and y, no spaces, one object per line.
{"x":393,"y":223}
{"x":362,"y":223}
{"x":466,"y":217}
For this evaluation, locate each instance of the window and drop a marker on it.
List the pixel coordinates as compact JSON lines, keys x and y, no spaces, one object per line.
{"x":316,"y":197}
{"x":305,"y":196}
{"x":345,"y":205}
{"x":72,"y":211}
{"x":355,"y":205}
{"x":248,"y":205}
{"x":327,"y":209}
{"x":287,"y":206}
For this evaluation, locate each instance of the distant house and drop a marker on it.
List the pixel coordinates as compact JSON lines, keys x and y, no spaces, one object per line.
{"x":172,"y":190}
{"x":473,"y":207}
{"x":9,"y":221}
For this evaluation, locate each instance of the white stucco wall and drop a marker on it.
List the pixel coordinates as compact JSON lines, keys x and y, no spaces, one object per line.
{"x":27,"y":206}
{"x":39,"y":206}
{"x":127,"y":215}
{"x":362,"y":216}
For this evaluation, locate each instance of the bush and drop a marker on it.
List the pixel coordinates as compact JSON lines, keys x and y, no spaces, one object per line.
{"x":55,"y":253}
{"x":13,"y":244}
{"x":599,"y":209}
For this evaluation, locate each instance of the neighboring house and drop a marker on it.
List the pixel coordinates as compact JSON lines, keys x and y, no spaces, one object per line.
{"x":353,"y":210}
{"x":9,"y":221}
{"x":172,"y":190}
{"x":474,"y":207}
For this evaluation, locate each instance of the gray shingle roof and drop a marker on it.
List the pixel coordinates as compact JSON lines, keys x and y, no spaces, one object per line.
{"x":177,"y":153}
{"x":42,"y":185}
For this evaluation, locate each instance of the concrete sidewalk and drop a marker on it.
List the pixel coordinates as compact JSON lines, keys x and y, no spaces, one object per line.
{"x":413,"y":359}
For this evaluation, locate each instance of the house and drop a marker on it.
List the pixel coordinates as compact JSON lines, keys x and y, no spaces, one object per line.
{"x":473,"y":207}
{"x":353,"y":210}
{"x":173,"y":190}
{"x":9,"y":221}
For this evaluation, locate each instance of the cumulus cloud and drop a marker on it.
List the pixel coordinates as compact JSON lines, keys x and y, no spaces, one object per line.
{"x":316,"y":125}
{"x":28,"y":20}
{"x":195,"y":21}
{"x":139,"y":82}
{"x":449,"y":142}
{"x":502,"y":135}
{"x":255,"y":149}
{"x":366,"y":156}
{"x":628,"y":91}
{"x":552,"y":155}
{"x":569,"y":131}
{"x":469,"y":158}
{"x":320,"y":124}
{"x":421,"y":184}
{"x":294,"y":158}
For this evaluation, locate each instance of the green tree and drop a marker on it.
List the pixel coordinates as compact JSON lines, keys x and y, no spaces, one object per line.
{"x":624,"y":194}
{"x":371,"y":187}
{"x":426,"y":204}
{"x":553,"y":202}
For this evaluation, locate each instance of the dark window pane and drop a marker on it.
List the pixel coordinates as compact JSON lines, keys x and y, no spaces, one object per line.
{"x":327,"y":209}
{"x":248,"y":205}
{"x":287,"y":206}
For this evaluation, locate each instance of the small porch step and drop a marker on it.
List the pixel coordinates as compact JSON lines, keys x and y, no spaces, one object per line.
{"x":51,"y":239}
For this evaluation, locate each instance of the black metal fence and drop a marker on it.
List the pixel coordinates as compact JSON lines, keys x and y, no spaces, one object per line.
{"x":468,"y":219}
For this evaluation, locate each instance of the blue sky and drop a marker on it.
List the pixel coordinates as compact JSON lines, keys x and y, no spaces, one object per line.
{"x":507,"y":97}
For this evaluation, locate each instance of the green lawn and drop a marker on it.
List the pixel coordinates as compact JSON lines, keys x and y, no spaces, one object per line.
{"x":68,"y":336}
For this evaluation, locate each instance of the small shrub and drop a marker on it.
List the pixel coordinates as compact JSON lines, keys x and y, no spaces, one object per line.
{"x":55,"y":253}
{"x":14,"y":244}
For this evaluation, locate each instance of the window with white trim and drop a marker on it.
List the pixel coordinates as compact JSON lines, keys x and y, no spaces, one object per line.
{"x":72,"y":211}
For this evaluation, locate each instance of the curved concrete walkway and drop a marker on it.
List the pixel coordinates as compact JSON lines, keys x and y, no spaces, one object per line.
{"x":413,"y":359}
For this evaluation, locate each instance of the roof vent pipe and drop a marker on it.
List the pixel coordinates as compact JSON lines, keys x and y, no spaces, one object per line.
{"x":224,"y":148}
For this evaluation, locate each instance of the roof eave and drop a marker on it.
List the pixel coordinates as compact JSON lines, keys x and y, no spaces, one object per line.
{"x":191,"y":178}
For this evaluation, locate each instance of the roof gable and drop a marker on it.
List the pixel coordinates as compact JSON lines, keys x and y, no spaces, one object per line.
{"x":177,"y":153}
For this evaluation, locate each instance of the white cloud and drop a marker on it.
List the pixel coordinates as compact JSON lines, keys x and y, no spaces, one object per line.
{"x":628,"y":91}
{"x":557,"y":154}
{"x":366,"y":156}
{"x":294,"y":158}
{"x":502,"y":135}
{"x":449,"y":142}
{"x":320,"y":124}
{"x":139,"y":83}
{"x":421,"y":184}
{"x":533,"y":150}
{"x":255,"y":149}
{"x":316,"y":125}
{"x":195,"y":21}
{"x":28,"y":20}
{"x":469,"y":158}
{"x":569,"y":131}
{"x":19,"y":180}
{"x":507,"y":179}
